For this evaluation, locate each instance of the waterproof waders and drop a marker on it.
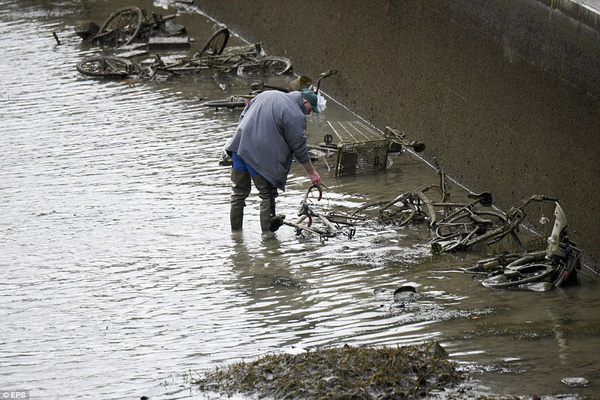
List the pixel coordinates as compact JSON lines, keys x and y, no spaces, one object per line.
{"x":241,"y":190}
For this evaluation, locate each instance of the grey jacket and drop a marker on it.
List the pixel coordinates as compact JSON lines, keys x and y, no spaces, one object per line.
{"x":272,"y":129}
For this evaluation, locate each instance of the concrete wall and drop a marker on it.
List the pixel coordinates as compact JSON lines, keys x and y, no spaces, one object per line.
{"x":505,"y":93}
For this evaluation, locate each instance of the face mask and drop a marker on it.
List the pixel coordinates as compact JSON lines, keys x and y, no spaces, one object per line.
{"x":321,"y":103}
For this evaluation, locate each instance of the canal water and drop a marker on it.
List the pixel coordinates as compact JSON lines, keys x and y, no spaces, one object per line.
{"x":121,"y":279}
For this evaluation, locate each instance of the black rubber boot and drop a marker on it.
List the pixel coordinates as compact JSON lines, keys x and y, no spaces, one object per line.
{"x":241,"y":185}
{"x":267,"y":193}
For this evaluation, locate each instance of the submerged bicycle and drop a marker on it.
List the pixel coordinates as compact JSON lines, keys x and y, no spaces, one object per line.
{"x":311,"y":220}
{"x":557,"y":265}
{"x":468,"y":227}
{"x":113,"y":66}
{"x":110,"y":67}
{"x":241,"y":60}
{"x":129,"y":24}
{"x":416,"y":206}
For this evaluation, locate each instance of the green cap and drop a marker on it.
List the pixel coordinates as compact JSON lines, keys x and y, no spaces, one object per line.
{"x":311,"y":97}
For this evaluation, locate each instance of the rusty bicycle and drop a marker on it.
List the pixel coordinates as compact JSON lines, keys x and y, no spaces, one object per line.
{"x":468,"y":227}
{"x":557,"y":265}
{"x":417,"y":206}
{"x":312,"y":221}
{"x":108,"y":67}
{"x":240,"y":60}
{"x":129,"y":24}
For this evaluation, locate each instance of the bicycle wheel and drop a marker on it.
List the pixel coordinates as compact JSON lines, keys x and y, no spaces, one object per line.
{"x":215,"y":44}
{"x":400,"y":213}
{"x":518,"y":276}
{"x":268,"y":65}
{"x":566,"y":271}
{"x":121,"y":27}
{"x":106,"y":66}
{"x":467,"y":229}
{"x":368,"y":212}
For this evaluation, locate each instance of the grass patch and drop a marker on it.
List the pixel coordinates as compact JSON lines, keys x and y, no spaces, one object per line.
{"x":339,"y":373}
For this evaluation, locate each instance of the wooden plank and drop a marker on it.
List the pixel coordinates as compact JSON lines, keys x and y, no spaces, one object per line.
{"x":133,"y":53}
{"x":172,"y":42}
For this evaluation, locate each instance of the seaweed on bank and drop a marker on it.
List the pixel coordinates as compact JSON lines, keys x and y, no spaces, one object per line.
{"x":343,"y":372}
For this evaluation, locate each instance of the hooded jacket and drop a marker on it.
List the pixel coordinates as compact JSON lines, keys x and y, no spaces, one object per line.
{"x":270,"y":132}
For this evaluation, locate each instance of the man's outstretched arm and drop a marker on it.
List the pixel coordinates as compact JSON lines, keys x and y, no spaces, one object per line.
{"x":312,"y":173}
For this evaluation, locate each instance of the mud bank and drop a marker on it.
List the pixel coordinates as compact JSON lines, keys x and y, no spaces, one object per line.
{"x":504,"y":93}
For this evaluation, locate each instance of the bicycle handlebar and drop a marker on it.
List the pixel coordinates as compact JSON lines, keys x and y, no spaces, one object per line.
{"x":518,"y":209}
{"x":535,"y":197}
{"x":324,"y":75}
{"x":310,"y":188}
{"x":304,"y":209}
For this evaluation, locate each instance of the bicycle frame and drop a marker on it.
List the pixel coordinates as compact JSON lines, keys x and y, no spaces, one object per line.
{"x":557,"y":264}
{"x":475,"y":228}
{"x":307,"y":215}
{"x":411,"y":204}
{"x":417,"y":203}
{"x":129,"y":24}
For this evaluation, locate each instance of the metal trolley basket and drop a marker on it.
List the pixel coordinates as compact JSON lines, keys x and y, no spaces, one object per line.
{"x":360,"y":148}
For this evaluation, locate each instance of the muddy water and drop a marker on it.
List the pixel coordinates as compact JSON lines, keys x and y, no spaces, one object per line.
{"x":120,"y":277}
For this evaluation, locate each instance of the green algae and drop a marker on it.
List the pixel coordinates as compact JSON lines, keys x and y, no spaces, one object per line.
{"x":339,"y":373}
